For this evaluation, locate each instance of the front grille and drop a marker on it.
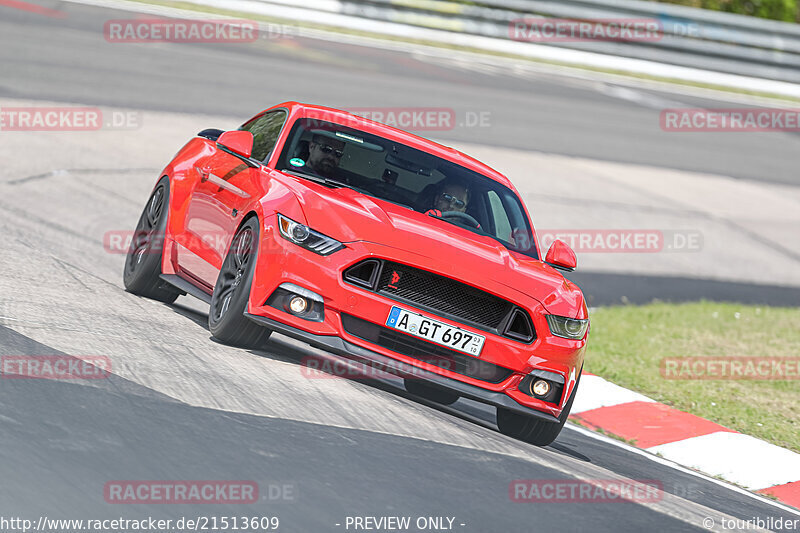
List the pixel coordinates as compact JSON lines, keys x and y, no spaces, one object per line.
{"x":421,"y":350}
{"x":442,"y":295}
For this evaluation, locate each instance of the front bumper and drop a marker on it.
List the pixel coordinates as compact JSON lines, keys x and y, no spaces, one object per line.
{"x":280,"y":261}
{"x":341,"y":347}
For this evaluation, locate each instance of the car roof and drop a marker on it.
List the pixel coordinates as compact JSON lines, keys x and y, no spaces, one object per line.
{"x":300,"y":110}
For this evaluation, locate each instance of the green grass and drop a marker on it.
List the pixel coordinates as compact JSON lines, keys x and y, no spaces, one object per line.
{"x":627,"y":344}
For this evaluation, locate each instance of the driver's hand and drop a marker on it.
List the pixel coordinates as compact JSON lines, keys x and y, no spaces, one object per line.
{"x":439,"y":214}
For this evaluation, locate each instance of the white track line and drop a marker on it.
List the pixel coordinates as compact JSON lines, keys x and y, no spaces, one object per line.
{"x":762,"y":465}
{"x":596,"y":392}
{"x":671,"y":464}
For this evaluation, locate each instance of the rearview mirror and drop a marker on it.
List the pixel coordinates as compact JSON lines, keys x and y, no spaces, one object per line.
{"x":561,"y":256}
{"x":238,"y":142}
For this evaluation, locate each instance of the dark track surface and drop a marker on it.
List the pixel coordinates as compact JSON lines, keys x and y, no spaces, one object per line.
{"x":615,"y":289}
{"x":63,"y":441}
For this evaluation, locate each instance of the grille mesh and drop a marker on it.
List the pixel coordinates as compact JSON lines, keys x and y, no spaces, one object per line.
{"x":427,"y":352}
{"x":442,"y":294}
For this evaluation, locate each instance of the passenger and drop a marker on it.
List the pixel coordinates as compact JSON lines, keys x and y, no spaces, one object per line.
{"x":324,"y":155}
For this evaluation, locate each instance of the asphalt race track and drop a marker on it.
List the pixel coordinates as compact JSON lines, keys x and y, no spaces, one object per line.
{"x":178,"y":405}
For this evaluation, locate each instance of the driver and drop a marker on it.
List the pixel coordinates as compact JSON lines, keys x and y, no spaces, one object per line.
{"x":324,"y":155}
{"x":452,"y":196}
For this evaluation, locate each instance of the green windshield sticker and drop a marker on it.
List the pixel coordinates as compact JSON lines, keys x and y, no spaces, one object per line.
{"x":297,"y":162}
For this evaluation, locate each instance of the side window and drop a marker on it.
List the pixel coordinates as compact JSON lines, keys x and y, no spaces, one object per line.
{"x":501,"y":223}
{"x":265,"y":130}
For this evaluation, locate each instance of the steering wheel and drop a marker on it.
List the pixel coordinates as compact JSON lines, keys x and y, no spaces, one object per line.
{"x":462,"y":217}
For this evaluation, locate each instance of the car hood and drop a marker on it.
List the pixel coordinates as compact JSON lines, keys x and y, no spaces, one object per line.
{"x":349,"y":216}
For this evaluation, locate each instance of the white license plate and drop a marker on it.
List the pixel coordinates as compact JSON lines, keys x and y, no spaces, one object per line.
{"x":435,"y":331}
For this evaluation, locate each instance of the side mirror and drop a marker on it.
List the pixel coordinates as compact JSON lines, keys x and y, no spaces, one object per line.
{"x":561,"y":256}
{"x":238,"y":142}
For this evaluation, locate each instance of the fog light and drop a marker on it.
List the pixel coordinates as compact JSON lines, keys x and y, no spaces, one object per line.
{"x":540,"y":387}
{"x":298,"y":305}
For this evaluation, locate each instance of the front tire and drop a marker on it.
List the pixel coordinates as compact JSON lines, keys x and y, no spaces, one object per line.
{"x":534,"y":430}
{"x":226,"y":319}
{"x":143,"y":262}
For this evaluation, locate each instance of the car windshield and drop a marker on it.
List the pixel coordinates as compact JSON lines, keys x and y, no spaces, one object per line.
{"x":343,"y":156}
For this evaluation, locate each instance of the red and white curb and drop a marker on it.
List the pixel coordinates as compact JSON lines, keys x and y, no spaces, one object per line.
{"x":688,"y":440}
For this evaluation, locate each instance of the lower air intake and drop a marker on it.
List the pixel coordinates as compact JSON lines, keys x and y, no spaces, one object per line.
{"x":424,"y":351}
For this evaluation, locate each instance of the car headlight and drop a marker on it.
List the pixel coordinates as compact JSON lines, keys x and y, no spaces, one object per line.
{"x":306,"y":237}
{"x":568,"y":328}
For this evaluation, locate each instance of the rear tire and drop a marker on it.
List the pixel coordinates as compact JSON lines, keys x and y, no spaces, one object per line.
{"x":534,"y":430}
{"x":226,"y":319}
{"x":143,"y":262}
{"x":430,"y":392}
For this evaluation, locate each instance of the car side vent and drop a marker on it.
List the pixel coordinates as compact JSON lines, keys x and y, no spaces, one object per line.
{"x":364,"y":273}
{"x":519,"y":327}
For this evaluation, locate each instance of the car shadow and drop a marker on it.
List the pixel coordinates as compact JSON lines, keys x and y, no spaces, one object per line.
{"x":313,"y":361}
{"x":569,"y":451}
{"x":198,"y":317}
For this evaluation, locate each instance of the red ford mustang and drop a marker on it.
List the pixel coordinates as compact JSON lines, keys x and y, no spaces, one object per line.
{"x":372,"y":244}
